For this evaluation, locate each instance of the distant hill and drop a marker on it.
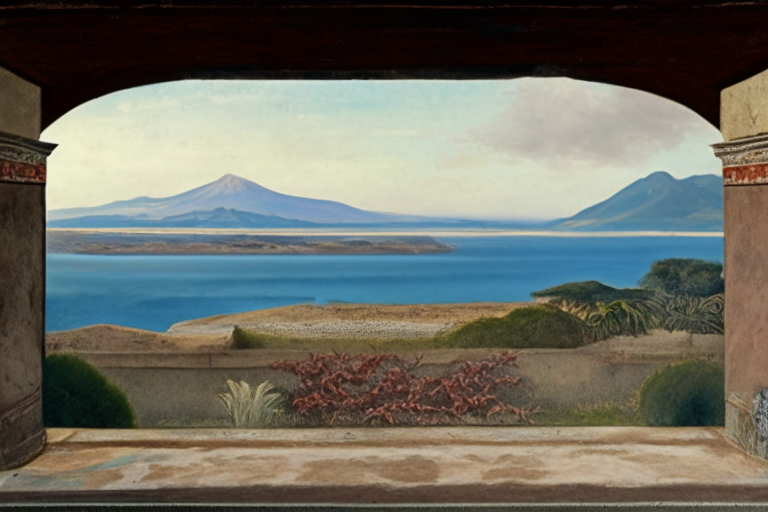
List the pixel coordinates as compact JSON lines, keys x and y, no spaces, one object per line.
{"x":218,"y":218}
{"x":591,"y":291}
{"x":237,"y":194}
{"x":658,"y":202}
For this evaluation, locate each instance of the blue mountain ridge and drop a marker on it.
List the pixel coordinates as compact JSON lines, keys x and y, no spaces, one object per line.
{"x":658,"y":202}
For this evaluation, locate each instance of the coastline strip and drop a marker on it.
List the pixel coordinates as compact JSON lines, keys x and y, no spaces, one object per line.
{"x":454,"y":233}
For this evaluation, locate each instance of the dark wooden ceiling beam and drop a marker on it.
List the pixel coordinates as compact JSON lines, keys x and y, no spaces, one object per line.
{"x":684,"y":50}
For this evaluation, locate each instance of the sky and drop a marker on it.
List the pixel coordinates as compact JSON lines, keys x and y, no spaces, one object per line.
{"x":528,"y":148}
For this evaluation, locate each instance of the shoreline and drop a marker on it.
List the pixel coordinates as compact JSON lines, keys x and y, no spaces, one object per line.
{"x":454,"y":233}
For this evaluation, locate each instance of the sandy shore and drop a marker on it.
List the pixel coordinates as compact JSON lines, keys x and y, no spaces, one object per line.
{"x":369,"y":321}
{"x":114,"y":338}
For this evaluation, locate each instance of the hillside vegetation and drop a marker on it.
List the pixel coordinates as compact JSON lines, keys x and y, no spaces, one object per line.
{"x":674,"y":298}
{"x":592,"y":291}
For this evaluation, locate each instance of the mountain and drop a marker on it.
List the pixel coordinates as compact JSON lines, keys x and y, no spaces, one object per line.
{"x":658,"y":202}
{"x":233,"y":193}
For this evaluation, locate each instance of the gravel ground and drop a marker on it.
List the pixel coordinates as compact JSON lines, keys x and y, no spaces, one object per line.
{"x":335,"y":329}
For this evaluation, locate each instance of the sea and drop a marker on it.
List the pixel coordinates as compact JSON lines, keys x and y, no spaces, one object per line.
{"x":155,"y":292}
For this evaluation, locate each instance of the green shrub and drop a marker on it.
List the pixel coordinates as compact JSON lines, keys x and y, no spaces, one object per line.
{"x":679,"y":276}
{"x":245,"y":339}
{"x":76,"y":395}
{"x":691,"y":393}
{"x":531,"y":327}
{"x":592,"y":291}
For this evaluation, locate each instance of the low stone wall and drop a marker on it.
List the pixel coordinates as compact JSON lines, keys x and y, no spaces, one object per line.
{"x":180,"y":389}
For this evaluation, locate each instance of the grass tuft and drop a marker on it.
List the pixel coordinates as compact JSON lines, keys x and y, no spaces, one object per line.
{"x":251,"y":408}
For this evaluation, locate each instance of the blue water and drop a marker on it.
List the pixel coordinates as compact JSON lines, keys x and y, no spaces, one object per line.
{"x":154,"y":292}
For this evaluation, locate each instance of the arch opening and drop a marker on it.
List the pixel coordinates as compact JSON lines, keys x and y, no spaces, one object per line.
{"x":244,"y":219}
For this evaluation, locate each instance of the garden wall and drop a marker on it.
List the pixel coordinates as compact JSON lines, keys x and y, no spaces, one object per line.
{"x":180,"y":389}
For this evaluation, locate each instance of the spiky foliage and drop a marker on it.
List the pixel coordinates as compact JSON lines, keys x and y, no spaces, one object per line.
{"x":700,"y":315}
{"x":617,"y":318}
{"x":251,"y":408}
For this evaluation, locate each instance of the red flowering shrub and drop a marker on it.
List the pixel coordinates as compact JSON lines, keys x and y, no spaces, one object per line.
{"x":377,"y":388}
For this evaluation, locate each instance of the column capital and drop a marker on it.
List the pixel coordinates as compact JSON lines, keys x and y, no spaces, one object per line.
{"x":23,"y":160}
{"x":745,"y":160}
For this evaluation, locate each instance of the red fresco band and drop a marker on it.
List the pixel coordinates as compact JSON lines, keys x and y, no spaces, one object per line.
{"x":21,"y":172}
{"x":745,"y":160}
{"x":23,"y":160}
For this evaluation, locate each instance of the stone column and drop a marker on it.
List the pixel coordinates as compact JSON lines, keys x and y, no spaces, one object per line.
{"x":744,"y":123}
{"x":22,"y":270}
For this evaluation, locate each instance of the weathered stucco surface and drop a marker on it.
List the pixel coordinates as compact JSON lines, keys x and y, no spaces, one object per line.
{"x":19,"y":106}
{"x":22,"y":285}
{"x":400,"y":465}
{"x":746,"y":284}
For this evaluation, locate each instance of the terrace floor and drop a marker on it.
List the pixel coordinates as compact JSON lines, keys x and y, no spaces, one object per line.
{"x":390,"y":465}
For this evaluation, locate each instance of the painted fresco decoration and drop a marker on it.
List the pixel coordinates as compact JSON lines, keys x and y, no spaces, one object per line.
{"x":286,"y":254}
{"x":22,"y":160}
{"x":745,"y":160}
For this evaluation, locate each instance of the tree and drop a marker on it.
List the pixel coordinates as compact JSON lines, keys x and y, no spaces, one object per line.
{"x":680,"y":276}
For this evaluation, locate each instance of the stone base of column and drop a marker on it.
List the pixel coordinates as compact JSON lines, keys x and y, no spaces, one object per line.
{"x":23,"y":435}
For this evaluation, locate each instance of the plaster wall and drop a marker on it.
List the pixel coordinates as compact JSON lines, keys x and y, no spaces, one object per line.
{"x":744,"y":108}
{"x":19,"y":106}
{"x":744,"y":112}
{"x":746,"y":282}
{"x":22,"y":214}
{"x":22,"y":285}
{"x":181,"y":389}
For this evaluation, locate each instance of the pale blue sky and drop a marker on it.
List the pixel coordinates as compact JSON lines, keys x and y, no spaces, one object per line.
{"x":525,"y":148}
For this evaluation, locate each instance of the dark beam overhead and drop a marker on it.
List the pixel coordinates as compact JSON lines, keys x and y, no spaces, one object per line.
{"x":684,"y":50}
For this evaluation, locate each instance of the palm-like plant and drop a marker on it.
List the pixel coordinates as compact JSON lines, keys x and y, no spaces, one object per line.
{"x":616,"y":318}
{"x":251,"y":408}
{"x":700,"y":315}
{"x":621,"y":318}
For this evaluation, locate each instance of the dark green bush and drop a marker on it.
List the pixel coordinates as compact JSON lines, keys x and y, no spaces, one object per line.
{"x":691,"y":393}
{"x":592,"y":291}
{"x":679,"y":276}
{"x":76,"y":395}
{"x":531,"y":327}
{"x":244,"y":339}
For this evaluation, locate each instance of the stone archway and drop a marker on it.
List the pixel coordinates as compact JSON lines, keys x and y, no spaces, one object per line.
{"x":64,"y":53}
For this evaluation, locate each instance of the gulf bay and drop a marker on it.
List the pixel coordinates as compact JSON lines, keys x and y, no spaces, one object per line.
{"x":154,"y":292}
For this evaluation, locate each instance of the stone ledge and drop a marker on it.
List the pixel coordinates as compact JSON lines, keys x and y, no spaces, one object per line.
{"x":393,"y":465}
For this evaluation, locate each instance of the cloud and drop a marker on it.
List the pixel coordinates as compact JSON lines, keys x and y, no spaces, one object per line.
{"x":565,"y":123}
